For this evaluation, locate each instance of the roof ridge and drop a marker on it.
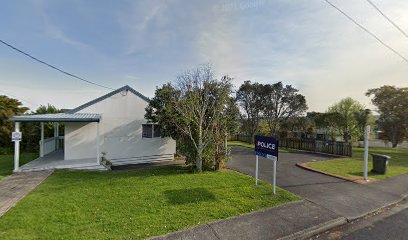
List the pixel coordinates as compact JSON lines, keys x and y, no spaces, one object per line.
{"x":96,"y":100}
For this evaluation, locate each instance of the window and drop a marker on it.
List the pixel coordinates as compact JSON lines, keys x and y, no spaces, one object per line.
{"x":156,"y":132}
{"x":151,"y":131}
{"x":147,"y":130}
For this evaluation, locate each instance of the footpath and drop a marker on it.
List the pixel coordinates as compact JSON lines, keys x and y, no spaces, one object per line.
{"x":16,"y":186}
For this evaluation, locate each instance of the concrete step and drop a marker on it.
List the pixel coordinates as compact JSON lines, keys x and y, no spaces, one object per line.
{"x":94,"y":167}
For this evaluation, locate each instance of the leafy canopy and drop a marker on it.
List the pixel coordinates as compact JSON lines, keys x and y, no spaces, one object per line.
{"x":392,"y":104}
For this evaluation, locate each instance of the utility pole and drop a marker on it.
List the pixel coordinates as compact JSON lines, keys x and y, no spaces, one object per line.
{"x":366,"y":138}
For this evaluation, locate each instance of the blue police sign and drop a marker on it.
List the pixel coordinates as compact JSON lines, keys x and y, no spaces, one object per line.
{"x":266,"y":147}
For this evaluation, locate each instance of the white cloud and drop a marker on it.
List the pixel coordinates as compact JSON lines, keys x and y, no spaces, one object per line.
{"x":52,"y":30}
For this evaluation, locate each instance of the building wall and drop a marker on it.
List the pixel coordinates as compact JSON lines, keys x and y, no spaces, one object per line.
{"x":122,"y":116}
{"x":80,"y":140}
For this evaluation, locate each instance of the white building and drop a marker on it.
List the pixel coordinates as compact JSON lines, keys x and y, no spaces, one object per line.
{"x":111,"y":126}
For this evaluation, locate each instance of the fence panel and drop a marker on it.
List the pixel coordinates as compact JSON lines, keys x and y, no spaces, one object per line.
{"x":311,"y":145}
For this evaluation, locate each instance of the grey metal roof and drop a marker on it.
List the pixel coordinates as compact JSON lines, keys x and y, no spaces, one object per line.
{"x":124,"y":88}
{"x":59,"y":117}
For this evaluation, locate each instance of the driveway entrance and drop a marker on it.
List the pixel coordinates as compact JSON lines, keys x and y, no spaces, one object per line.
{"x":340,"y":196}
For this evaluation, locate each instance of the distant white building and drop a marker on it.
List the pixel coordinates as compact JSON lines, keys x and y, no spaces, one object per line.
{"x":112,"y":126}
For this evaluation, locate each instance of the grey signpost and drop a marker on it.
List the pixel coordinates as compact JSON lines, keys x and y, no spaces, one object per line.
{"x":266,"y":147}
{"x":366,"y":142}
{"x":16,"y":138}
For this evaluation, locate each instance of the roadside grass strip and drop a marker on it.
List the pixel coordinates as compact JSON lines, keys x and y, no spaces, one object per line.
{"x":352,"y":168}
{"x":134,"y":204}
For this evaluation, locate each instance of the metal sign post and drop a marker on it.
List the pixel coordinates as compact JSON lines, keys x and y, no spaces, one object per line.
{"x":256,"y":171}
{"x":274,"y":176}
{"x":366,"y":138}
{"x":16,"y":138}
{"x":266,"y":147}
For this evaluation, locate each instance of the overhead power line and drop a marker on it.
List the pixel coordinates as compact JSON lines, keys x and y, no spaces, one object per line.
{"x":368,"y":31}
{"x":388,"y":19}
{"x":51,"y":66}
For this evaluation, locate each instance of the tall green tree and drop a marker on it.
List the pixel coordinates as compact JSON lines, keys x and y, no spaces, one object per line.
{"x":9,"y":107}
{"x":281,"y":103}
{"x":32,"y":131}
{"x":363,"y":118}
{"x":392,"y":104}
{"x":327,"y":123}
{"x":194,"y":111}
{"x":250,"y":97}
{"x":346,"y":123}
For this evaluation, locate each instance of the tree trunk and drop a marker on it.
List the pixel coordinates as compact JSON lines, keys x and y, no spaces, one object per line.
{"x":200,"y":147}
{"x":199,"y":162}
{"x":394,"y":138}
{"x":346,"y":137}
{"x":252,"y":138}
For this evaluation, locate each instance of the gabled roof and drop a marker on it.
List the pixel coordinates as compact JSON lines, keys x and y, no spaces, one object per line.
{"x":59,"y":117}
{"x":124,"y":88}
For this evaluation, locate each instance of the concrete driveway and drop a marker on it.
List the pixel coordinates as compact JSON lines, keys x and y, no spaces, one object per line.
{"x":342,"y":197}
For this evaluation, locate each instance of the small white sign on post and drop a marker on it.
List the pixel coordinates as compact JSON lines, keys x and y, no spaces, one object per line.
{"x":16,"y":136}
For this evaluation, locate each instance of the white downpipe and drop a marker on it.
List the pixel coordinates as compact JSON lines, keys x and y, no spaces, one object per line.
{"x":98,"y":158}
{"x":42,"y":140}
{"x":17,"y":149}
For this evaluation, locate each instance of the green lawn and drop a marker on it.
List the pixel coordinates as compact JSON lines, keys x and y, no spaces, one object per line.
{"x":133,"y":204}
{"x":353,"y":167}
{"x":244,"y":144}
{"x":7,"y":162}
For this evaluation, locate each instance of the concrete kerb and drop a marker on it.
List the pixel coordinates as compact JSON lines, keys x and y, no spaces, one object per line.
{"x":225,"y":219}
{"x":309,"y":232}
{"x":403,"y":198}
{"x":358,"y":181}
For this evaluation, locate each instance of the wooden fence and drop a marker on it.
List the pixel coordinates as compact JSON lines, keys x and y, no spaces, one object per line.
{"x":311,"y":145}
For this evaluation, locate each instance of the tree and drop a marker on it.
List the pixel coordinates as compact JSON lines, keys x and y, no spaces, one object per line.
{"x":9,"y":107}
{"x":391,"y":103}
{"x":250,"y":97}
{"x":194,"y":111}
{"x":345,"y":122}
{"x":281,"y":103}
{"x":32,"y":131}
{"x":363,"y":118}
{"x":327,"y":122}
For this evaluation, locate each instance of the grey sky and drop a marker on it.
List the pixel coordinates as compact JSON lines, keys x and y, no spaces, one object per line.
{"x":146,"y":43}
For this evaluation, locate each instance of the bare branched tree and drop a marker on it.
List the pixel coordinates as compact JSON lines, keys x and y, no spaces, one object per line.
{"x":194,"y":108}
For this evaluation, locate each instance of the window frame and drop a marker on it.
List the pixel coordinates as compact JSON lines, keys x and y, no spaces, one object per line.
{"x":153,"y":127}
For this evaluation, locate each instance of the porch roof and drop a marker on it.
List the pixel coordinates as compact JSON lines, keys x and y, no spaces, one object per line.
{"x":59,"y":117}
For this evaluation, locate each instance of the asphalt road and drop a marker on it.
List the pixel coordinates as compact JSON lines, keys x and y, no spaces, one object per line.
{"x":342,"y":197}
{"x":390,"y":224}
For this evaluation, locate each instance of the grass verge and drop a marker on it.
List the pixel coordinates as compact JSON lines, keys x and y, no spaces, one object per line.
{"x":353,"y":167}
{"x":7,"y":162}
{"x":133,"y":204}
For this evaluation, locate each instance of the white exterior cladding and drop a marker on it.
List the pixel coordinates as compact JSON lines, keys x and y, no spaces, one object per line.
{"x":120,"y":129}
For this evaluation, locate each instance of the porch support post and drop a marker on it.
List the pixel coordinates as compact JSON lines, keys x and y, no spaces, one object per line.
{"x":98,"y":157}
{"x":56,"y":135}
{"x":17,"y":149}
{"x":42,"y":140}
